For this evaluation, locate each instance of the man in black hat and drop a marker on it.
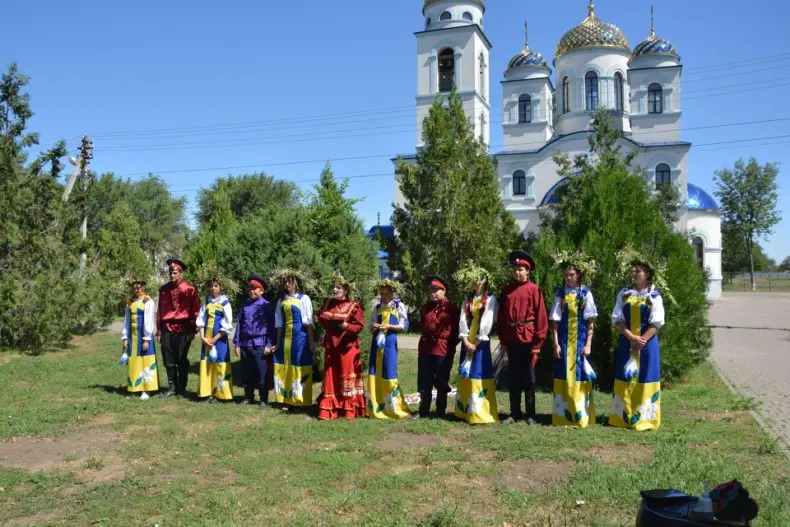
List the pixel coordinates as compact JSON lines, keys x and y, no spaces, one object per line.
{"x":178,"y":310}
{"x":436,"y":350}
{"x":522,"y":326}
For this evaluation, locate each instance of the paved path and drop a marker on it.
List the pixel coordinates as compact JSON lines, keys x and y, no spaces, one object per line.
{"x":751,"y":350}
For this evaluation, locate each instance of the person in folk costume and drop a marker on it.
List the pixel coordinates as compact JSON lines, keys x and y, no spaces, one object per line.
{"x":179,"y":306}
{"x":254,"y":340}
{"x":214,"y":323}
{"x":476,"y":395}
{"x":436,"y":348}
{"x":293,"y":355}
{"x":638,"y":315}
{"x":389,"y":317}
{"x":572,"y":318}
{"x":522,"y":327}
{"x":342,"y":317}
{"x":139,"y":350}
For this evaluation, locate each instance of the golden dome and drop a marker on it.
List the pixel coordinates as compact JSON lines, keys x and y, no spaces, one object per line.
{"x":429,"y":2}
{"x":592,"y":33}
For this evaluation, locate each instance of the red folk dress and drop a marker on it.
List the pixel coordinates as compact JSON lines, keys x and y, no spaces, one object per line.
{"x":343,"y":393}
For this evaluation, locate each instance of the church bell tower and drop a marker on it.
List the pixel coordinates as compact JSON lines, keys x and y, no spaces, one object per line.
{"x":453,"y":51}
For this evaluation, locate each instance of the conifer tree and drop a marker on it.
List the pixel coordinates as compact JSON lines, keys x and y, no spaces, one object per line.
{"x":605,"y":207}
{"x":452,"y":211}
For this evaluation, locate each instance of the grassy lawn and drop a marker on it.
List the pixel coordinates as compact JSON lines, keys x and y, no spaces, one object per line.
{"x":762,"y":284}
{"x":75,"y":451}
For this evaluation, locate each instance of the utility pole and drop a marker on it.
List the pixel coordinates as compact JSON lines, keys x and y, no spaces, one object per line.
{"x":81,"y":172}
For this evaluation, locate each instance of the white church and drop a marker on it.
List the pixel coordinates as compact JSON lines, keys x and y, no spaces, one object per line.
{"x":549,"y":109}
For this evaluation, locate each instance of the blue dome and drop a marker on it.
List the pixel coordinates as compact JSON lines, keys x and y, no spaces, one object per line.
{"x":654,"y":46}
{"x":387,"y":231}
{"x":699,"y":199}
{"x":527,"y":57}
{"x":551,"y":196}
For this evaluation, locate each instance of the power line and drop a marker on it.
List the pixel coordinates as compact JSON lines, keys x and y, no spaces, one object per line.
{"x":118,"y":135}
{"x":390,"y":155}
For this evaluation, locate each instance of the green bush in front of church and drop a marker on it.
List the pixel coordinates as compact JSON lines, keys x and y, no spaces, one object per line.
{"x":605,"y":205}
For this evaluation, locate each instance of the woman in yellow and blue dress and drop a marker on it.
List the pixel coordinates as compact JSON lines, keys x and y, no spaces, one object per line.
{"x":389,"y":317}
{"x":139,"y":351}
{"x":214,"y":323}
{"x":572,"y":319}
{"x":476,"y":393}
{"x":638,"y":315}
{"x":293,"y":355}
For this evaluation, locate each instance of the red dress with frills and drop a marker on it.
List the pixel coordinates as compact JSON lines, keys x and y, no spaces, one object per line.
{"x":343,"y":393}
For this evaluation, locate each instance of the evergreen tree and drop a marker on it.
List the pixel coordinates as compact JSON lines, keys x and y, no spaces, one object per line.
{"x":452,"y":211}
{"x":36,"y":284}
{"x":605,"y":207}
{"x":248,"y":194}
{"x":748,"y":195}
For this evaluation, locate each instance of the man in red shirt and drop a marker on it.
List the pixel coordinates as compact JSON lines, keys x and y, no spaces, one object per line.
{"x":522,"y":326}
{"x":440,"y":320}
{"x":178,"y":310}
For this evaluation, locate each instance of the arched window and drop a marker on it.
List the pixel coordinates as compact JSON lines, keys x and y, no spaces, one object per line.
{"x":525,"y":109}
{"x":566,"y":95}
{"x":663,"y":175}
{"x":618,"y":92}
{"x":446,"y":70}
{"x":655,"y":98}
{"x":482,"y":61}
{"x":519,"y":183}
{"x":699,"y":250}
{"x":467,"y":16}
{"x":591,"y":90}
{"x":445,"y":16}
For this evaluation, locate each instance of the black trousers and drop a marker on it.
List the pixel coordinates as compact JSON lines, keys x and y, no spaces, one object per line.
{"x":433,"y":371}
{"x":521,"y":378}
{"x":254,"y":363}
{"x":175,"y":347}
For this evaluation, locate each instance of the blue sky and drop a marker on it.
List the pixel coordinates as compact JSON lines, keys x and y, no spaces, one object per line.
{"x":192,"y":91}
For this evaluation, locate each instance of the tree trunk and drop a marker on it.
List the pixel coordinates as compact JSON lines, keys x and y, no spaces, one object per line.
{"x":751,"y":262}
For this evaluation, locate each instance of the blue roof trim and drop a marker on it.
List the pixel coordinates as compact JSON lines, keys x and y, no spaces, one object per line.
{"x":559,"y":137}
{"x":698,"y":199}
{"x":551,"y":196}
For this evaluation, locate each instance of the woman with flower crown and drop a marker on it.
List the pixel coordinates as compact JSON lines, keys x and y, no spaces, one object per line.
{"x":638,"y":315}
{"x":383,"y":392}
{"x":139,"y":349}
{"x":476,"y":391}
{"x":342,"y":317}
{"x":293,"y":356}
{"x":572,"y":319}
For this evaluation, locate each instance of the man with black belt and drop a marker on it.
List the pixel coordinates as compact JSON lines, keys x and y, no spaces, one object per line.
{"x":522,"y":326}
{"x":179,"y":306}
{"x":440,"y":323}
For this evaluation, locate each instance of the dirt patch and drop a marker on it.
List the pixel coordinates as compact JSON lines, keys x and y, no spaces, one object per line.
{"x":621,"y":454}
{"x":103,"y":420}
{"x":483,"y":456}
{"x":527,"y":475}
{"x":38,"y":454}
{"x":40,"y":518}
{"x":406,"y":441}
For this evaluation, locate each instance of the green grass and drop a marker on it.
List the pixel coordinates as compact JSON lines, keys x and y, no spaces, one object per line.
{"x":763,"y":285}
{"x":75,"y":451}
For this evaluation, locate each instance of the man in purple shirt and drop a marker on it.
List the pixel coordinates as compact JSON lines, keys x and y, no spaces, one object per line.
{"x":253,"y":340}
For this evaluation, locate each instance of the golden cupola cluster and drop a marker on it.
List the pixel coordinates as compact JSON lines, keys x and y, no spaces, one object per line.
{"x":592,"y":33}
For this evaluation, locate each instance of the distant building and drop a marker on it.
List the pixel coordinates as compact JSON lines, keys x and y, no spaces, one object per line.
{"x":545,"y":111}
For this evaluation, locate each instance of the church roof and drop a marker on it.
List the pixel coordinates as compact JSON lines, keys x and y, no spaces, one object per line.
{"x":698,"y":199}
{"x":429,"y":2}
{"x":592,"y":33}
{"x":654,"y":45}
{"x":528,"y":58}
{"x":551,"y":197}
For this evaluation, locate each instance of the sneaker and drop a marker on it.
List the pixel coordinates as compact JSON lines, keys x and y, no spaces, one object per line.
{"x":508,"y":421}
{"x":181,"y":395}
{"x":209,"y":400}
{"x":531,"y":421}
{"x":414,"y":417}
{"x":168,"y":393}
{"x":144,"y":396}
{"x":263,"y":405}
{"x":245,"y":402}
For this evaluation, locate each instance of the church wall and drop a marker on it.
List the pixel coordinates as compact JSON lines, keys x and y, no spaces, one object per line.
{"x":656,"y":127}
